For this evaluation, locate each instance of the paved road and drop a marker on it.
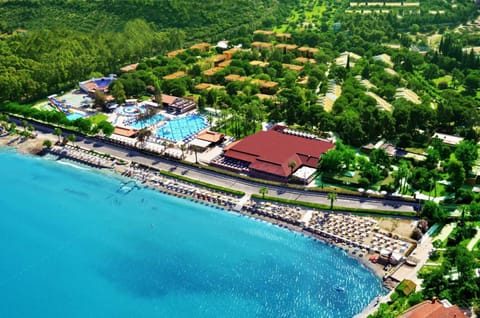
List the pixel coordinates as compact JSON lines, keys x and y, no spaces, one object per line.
{"x":246,"y":186}
{"x":234,"y":183}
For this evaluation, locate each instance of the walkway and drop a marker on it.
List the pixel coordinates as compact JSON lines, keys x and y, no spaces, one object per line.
{"x":446,"y":230}
{"x":474,"y":240}
{"x":348,"y":201}
{"x":242,"y":202}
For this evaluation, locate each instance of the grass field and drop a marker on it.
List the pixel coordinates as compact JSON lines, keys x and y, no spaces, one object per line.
{"x":447,"y":79}
{"x":313,"y":11}
{"x":98,"y":118}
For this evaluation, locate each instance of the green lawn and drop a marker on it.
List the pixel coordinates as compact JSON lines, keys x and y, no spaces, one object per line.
{"x":446,"y":78}
{"x":98,"y":118}
{"x":440,"y":190}
{"x":312,"y":15}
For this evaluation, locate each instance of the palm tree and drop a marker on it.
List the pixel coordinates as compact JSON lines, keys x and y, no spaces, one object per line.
{"x":183,"y":147}
{"x":263,"y":191}
{"x":57,"y":132}
{"x":143,"y":134}
{"x":292,"y":165}
{"x":72,"y":138}
{"x":24,"y":124}
{"x":332,"y":196}
{"x":47,"y":143}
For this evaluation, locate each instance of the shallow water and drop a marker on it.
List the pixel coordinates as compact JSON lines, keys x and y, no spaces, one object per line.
{"x":73,"y":244}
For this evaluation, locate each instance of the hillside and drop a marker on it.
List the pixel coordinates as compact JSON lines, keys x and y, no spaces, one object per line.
{"x":209,"y":20}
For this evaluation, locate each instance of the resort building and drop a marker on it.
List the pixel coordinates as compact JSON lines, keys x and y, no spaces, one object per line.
{"x":285,"y":48}
{"x":204,"y":46}
{"x":283,"y":37}
{"x":229,"y":53}
{"x":385,"y":58}
{"x":259,"y":63}
{"x":175,"y":75}
{"x":347,"y":57}
{"x":224,"y":63}
{"x":292,"y":67}
{"x":235,"y":78}
{"x":222,"y":44}
{"x":304,"y":60}
{"x":206,"y":139}
{"x":307,"y":51}
{"x":212,"y":71}
{"x":262,"y":45}
{"x":175,"y":53}
{"x":275,"y":154}
{"x":264,"y":32}
{"x":97,"y":84}
{"x":208,"y":86}
{"x":217,"y":59}
{"x":125,"y":132}
{"x":177,"y":105}
{"x":128,"y":68}
{"x":408,"y":95}
{"x":433,"y":309}
{"x":266,"y":87}
{"x":448,"y":140}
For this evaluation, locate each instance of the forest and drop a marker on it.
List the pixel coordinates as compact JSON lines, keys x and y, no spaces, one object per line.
{"x":48,"y":46}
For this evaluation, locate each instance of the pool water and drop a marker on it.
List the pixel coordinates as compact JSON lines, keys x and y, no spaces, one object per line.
{"x":130,"y":110}
{"x":147,"y":122}
{"x":182,"y":128}
{"x":74,"y":116}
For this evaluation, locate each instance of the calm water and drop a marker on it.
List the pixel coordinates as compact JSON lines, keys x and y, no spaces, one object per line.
{"x":181,"y":128}
{"x":72,"y":245}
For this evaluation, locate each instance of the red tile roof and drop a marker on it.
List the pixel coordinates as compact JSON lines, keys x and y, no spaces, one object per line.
{"x":433,"y":309}
{"x":271,"y":151}
{"x":168,"y":99}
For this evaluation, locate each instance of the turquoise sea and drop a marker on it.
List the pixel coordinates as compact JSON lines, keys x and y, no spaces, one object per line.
{"x":73,"y":245}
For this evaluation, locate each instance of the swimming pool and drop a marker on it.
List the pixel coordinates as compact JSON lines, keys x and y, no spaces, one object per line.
{"x":74,"y":116}
{"x":182,"y":128}
{"x":147,"y":122}
{"x":130,"y":110}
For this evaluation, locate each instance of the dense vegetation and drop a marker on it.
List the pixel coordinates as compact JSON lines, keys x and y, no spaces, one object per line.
{"x":206,"y":20}
{"x":66,"y":42}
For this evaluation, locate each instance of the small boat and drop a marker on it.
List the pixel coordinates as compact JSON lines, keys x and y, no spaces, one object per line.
{"x":339,"y":289}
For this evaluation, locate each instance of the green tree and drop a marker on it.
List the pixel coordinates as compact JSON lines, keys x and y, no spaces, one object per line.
{"x":183,"y":147}
{"x":467,"y":152}
{"x":332,"y":196}
{"x":380,"y":157}
{"x":456,"y":172}
{"x":433,"y":212}
{"x":106,"y":127}
{"x":72,"y":138}
{"x":100,"y":99}
{"x":118,"y":92}
{"x":402,"y":176}
{"x":143,"y":135}
{"x":57,"y":132}
{"x":432,"y":159}
{"x":263,"y":191}
{"x":47,"y":143}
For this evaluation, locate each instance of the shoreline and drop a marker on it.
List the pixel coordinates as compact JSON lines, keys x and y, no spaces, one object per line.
{"x":23,"y":147}
{"x":34,"y":147}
